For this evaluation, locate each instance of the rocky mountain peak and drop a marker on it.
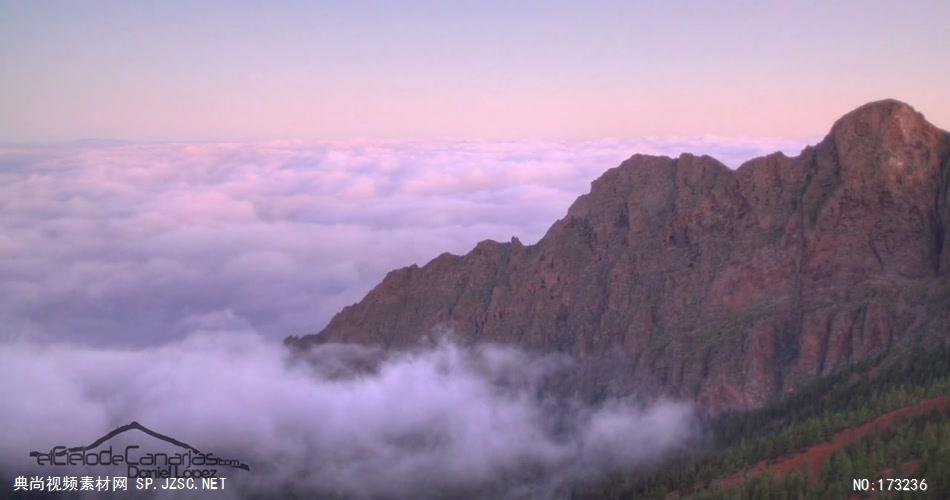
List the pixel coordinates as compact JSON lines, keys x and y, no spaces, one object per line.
{"x":888,"y":143}
{"x":882,"y":121}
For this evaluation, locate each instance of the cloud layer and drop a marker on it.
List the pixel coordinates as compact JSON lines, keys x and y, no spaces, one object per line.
{"x":137,"y":244}
{"x":440,"y":422}
{"x":153,"y":282}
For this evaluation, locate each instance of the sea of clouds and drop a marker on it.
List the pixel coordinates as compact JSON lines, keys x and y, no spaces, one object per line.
{"x":154,"y":282}
{"x":138,"y":244}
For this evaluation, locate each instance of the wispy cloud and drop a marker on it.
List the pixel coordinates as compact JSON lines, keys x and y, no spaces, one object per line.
{"x":443,"y":421}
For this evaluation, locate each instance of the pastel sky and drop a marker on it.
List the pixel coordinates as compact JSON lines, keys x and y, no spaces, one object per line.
{"x":460,"y":70}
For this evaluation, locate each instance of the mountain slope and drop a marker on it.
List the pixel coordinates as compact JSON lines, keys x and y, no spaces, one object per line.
{"x":884,"y":417}
{"x":682,"y":277}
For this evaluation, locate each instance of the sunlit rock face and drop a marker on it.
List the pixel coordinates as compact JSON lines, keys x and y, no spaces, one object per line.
{"x":682,"y":277}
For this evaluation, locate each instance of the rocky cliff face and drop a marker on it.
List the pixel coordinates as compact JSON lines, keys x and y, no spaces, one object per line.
{"x":682,"y":277}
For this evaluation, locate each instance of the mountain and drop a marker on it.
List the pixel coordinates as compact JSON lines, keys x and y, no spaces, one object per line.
{"x":684,"y":278}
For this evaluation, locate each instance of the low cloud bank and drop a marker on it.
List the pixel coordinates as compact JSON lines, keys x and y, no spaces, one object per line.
{"x":138,"y":244}
{"x":343,"y":420}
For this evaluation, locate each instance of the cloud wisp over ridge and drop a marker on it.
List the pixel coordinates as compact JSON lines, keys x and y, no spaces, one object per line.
{"x":345,"y":420}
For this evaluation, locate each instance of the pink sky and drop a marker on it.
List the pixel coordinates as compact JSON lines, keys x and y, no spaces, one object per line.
{"x":461,"y":70}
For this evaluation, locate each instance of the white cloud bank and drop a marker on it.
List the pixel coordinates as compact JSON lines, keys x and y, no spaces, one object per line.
{"x":139,"y":244}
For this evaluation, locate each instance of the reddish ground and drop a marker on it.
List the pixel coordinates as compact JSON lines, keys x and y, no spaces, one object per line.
{"x":813,"y":458}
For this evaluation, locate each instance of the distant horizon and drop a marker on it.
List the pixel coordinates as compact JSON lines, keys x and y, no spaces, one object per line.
{"x":711,"y":138}
{"x":816,"y":135}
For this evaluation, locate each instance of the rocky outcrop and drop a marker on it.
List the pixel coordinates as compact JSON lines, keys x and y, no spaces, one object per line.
{"x":682,"y":277}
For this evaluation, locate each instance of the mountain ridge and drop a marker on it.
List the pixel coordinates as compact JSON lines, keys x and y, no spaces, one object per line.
{"x":681,"y":277}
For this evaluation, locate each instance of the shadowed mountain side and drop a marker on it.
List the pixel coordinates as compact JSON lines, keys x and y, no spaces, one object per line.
{"x":682,"y":277}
